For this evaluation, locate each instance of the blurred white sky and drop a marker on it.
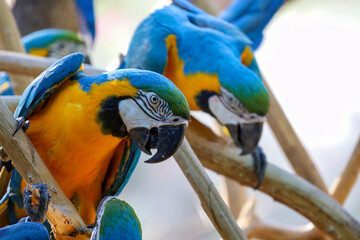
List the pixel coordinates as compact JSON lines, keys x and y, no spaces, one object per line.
{"x":310,"y":57}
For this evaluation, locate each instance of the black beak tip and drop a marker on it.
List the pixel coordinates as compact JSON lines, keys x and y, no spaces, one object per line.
{"x":168,"y":142}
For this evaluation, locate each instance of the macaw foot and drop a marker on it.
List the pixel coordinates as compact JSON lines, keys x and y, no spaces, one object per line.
{"x":259,"y":165}
{"x":36,"y":212}
{"x":5,"y":160}
{"x":21,"y":123}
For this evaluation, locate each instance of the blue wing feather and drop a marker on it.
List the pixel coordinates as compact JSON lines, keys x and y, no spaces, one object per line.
{"x":129,"y":159}
{"x":44,"y":85}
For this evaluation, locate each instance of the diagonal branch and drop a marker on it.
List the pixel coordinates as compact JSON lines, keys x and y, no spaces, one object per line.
{"x":284,"y":187}
{"x":61,"y":214}
{"x":10,"y":40}
{"x":32,"y":65}
{"x":344,"y":183}
{"x":209,"y":197}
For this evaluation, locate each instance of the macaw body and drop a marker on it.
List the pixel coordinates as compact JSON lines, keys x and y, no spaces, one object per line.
{"x":24,"y":230}
{"x":251,"y":17}
{"x":115,"y":219}
{"x":210,"y":61}
{"x":88,"y":129}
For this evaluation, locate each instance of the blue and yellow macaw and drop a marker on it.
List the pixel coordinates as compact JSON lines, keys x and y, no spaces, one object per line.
{"x":89,"y":130}
{"x":50,"y":42}
{"x":251,"y":17}
{"x":212,"y":63}
{"x":116,"y":220}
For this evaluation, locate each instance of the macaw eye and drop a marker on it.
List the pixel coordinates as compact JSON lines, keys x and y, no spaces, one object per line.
{"x":154,"y":99}
{"x":61,"y":45}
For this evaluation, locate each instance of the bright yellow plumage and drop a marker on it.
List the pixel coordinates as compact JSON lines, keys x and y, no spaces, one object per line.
{"x":190,"y":85}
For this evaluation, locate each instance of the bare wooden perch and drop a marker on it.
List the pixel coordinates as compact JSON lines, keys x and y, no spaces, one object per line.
{"x":344,"y":183}
{"x":284,"y":187}
{"x":210,"y":199}
{"x":10,"y":40}
{"x":61,"y":214}
{"x":11,"y":101}
{"x":32,"y":65}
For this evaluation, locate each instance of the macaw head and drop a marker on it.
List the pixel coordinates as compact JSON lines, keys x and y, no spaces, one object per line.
{"x":150,"y":108}
{"x":54,"y":43}
{"x":116,"y":219}
{"x":241,"y":106}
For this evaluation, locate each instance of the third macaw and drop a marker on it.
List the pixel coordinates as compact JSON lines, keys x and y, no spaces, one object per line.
{"x":251,"y":17}
{"x":212,"y":63}
{"x":88,"y":129}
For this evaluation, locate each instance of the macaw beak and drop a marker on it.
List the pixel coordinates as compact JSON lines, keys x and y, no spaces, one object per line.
{"x":165,"y":138}
{"x":246,"y":136}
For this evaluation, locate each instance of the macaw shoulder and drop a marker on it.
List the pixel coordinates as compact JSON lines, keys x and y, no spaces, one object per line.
{"x":38,"y":92}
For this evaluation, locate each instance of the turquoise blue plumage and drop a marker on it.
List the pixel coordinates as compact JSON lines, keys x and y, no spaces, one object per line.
{"x":116,"y":220}
{"x":251,"y":16}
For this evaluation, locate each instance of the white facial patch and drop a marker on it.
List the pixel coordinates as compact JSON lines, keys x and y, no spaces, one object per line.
{"x":133,"y":116}
{"x":222,"y":114}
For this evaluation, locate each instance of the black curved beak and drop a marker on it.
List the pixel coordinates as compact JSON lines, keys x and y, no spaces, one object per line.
{"x":166,"y":139}
{"x":246,"y":136}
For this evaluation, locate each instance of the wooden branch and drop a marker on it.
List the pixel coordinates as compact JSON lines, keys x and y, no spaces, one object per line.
{"x":210,"y":199}
{"x":61,"y":214}
{"x":11,"y":101}
{"x":10,"y":40}
{"x":32,"y":65}
{"x":48,"y":15}
{"x":344,"y":183}
{"x":263,"y":231}
{"x":290,"y":143}
{"x":284,"y":187}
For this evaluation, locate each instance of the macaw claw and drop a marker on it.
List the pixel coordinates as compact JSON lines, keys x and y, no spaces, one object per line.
{"x":259,"y":165}
{"x":21,"y":123}
{"x":5,"y":160}
{"x":36,"y":212}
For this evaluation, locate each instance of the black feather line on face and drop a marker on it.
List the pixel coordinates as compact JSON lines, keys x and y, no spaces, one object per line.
{"x":109,"y":117}
{"x":202,"y":100}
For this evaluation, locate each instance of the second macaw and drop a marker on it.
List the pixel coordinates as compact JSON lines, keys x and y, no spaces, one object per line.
{"x":88,"y":129}
{"x":50,"y":42}
{"x":212,"y":63}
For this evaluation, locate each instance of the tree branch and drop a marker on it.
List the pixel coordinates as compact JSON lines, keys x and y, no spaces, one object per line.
{"x":61,"y":214}
{"x":11,"y":101}
{"x":284,"y":187}
{"x":344,"y":183}
{"x":33,"y":65}
{"x":10,"y":40}
{"x":210,"y":199}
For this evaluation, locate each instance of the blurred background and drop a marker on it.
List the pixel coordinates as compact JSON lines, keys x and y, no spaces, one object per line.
{"x":310,"y":56}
